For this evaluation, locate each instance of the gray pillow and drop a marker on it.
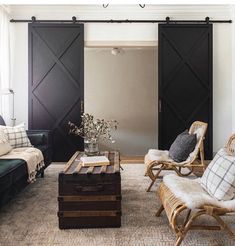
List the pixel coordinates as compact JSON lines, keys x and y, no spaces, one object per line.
{"x":183,"y":145}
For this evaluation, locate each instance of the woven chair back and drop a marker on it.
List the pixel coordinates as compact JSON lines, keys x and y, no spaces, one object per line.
{"x":199,"y":128}
{"x":230,"y":146}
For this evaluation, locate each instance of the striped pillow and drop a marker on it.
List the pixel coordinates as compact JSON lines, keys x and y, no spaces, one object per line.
{"x":17,"y":136}
{"x":219,"y":177}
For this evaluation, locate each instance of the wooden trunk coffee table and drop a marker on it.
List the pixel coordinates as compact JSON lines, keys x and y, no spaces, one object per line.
{"x":90,"y":197}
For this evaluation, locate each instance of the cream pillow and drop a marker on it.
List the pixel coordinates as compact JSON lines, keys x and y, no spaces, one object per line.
{"x":5,"y":146}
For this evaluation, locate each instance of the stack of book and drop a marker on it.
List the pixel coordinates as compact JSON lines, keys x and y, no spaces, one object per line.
{"x":94,"y":161}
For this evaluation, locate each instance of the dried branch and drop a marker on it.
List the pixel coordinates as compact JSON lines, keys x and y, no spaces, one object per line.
{"x":92,"y":129}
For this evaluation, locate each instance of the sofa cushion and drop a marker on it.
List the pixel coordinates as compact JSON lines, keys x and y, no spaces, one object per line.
{"x":10,"y":172}
{"x":183,"y":145}
{"x":7,"y":166}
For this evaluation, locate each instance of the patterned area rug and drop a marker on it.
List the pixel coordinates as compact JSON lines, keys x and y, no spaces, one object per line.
{"x":31,"y":217}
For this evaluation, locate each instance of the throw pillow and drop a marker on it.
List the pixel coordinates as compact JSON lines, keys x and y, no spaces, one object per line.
{"x":17,"y":136}
{"x":183,"y":145}
{"x":5,"y":146}
{"x":219,"y":177}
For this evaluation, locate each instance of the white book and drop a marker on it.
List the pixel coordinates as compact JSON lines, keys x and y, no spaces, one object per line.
{"x":93,"y":161}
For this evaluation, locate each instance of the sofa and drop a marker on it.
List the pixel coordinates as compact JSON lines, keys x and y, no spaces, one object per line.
{"x":13,"y":172}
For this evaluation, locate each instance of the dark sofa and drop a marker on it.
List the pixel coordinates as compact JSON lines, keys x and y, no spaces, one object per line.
{"x":13,"y":173}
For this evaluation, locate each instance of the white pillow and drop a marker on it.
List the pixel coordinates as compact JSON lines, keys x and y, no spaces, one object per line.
{"x":5,"y":146}
{"x":219,"y":177}
{"x":17,"y":136}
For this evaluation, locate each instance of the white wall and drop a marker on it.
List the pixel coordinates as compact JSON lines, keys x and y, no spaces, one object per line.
{"x":233,"y":70}
{"x":223,"y":113}
{"x":125,"y":88}
{"x":19,"y":75}
{"x":222,"y":85}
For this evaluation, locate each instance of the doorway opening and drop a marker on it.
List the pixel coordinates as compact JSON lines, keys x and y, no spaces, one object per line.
{"x":121,"y":83}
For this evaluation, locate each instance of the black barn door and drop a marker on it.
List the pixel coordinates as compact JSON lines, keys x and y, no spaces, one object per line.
{"x":185,"y":80}
{"x":56,"y":83}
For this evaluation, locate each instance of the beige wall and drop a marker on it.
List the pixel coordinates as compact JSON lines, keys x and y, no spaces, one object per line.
{"x":124,"y":87}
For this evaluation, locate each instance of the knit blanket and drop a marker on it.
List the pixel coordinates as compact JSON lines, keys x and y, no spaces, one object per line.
{"x":32,"y":156}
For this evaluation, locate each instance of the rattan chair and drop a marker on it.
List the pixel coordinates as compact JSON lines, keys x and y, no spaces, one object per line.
{"x":176,"y":207}
{"x":161,"y":160}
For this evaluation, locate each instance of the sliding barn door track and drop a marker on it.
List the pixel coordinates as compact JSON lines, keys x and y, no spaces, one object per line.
{"x":167,"y":21}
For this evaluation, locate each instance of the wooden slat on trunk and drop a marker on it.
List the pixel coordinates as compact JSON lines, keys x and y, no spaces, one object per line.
{"x":87,"y":213}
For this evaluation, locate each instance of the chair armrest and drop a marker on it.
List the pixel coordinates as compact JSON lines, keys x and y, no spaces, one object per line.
{"x":40,"y":137}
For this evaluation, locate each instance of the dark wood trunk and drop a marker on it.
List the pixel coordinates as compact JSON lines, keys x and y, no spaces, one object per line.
{"x":90,"y":197}
{"x":89,"y":222}
{"x":100,"y":203}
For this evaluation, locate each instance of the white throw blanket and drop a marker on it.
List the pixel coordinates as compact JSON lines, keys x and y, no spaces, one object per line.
{"x":163,"y":155}
{"x":155,"y":155}
{"x":32,"y":156}
{"x":192,"y":194}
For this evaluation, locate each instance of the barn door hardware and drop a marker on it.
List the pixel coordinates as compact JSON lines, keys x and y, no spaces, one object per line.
{"x":82,"y":107}
{"x":74,"y":20}
{"x":160,"y":106}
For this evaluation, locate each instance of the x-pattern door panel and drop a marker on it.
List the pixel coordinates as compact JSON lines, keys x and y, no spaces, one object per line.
{"x":56,"y":83}
{"x":185,"y":80}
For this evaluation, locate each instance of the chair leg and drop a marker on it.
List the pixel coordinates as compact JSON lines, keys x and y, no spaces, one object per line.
{"x":224,"y":226}
{"x":187,"y":218}
{"x":186,"y":226}
{"x":150,"y":186}
{"x":179,"y":172}
{"x":179,"y":240}
{"x":183,"y":233}
{"x":158,"y":213}
{"x":155,"y":178}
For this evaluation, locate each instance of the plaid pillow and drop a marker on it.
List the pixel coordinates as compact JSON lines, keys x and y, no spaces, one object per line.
{"x":17,"y":136}
{"x":219,"y":177}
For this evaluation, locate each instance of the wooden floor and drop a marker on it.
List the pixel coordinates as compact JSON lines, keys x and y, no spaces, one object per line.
{"x":132,"y":159}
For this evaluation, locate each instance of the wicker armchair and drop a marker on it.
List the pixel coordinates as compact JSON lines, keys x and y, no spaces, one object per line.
{"x":177,"y":206}
{"x":161,"y":161}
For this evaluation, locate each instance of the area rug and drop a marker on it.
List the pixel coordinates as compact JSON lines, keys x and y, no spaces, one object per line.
{"x":31,"y":217}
